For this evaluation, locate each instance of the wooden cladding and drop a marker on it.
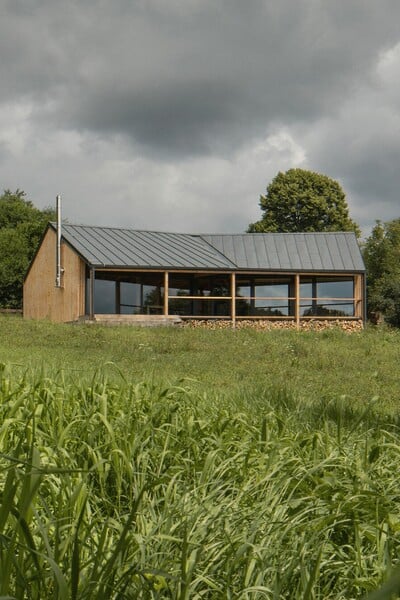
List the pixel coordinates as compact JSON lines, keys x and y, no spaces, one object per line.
{"x":42,"y":299}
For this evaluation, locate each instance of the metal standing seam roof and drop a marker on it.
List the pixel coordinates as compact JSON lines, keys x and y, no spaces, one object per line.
{"x":291,"y":251}
{"x":127,"y":248}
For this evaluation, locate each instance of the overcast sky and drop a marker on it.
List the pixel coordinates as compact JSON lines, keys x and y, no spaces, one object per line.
{"x":176,"y":114}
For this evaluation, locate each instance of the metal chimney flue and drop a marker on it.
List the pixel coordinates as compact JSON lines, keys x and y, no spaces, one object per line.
{"x":59,"y":269}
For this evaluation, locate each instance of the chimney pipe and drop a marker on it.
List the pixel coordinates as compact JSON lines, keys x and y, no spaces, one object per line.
{"x":59,"y":269}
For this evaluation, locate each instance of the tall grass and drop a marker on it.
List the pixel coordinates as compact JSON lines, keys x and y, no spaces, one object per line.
{"x":121,"y":490}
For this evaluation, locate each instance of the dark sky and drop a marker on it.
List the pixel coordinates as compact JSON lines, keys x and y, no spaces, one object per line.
{"x":176,"y":114}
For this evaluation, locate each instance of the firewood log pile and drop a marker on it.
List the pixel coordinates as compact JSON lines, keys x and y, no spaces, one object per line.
{"x":267,"y":325}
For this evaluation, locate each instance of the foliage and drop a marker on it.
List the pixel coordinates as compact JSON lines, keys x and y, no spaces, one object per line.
{"x":21,"y":227}
{"x":382,"y":259}
{"x":300,"y":200}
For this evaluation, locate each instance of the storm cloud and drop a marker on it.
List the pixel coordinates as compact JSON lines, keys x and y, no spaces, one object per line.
{"x":176,"y":114}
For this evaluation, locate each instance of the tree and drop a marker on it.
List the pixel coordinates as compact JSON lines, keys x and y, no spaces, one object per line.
{"x":299,"y":200}
{"x":382,"y":259}
{"x":21,"y":227}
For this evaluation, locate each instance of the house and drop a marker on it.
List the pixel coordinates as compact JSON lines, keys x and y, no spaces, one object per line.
{"x":116,"y":271}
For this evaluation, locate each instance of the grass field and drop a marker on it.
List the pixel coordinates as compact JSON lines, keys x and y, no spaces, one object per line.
{"x":322,"y":366}
{"x":194,"y":464}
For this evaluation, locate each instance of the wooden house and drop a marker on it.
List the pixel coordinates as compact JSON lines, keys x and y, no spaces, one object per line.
{"x":115,"y":271}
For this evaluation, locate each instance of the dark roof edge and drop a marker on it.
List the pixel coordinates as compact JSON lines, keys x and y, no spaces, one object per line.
{"x":235,"y":269}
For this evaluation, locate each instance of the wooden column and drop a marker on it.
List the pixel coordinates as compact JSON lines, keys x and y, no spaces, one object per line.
{"x":141,"y":300}
{"x":91,"y":293}
{"x":166,"y":286}
{"x":233,"y":299}
{"x":252,"y":299}
{"x":314,"y":301}
{"x":358,"y":297}
{"x":118,"y":297}
{"x":297,"y":300}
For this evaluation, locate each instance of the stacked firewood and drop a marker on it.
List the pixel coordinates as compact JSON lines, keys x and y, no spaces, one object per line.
{"x":266,"y":325}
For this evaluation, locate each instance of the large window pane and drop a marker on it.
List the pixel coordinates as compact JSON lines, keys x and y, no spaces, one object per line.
{"x":264,"y":296}
{"x":180,"y":285}
{"x":324,"y":296}
{"x":130,"y":298}
{"x":152,"y":300}
{"x":138,"y":293}
{"x":342,"y":288}
{"x":104,"y":297}
{"x":199,"y":285}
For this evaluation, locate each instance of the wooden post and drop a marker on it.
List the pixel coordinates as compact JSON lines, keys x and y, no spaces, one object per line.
{"x":314,"y":301}
{"x":141,"y":300}
{"x":358,"y":293}
{"x":252,"y":299}
{"x":166,"y":286}
{"x":118,"y":297}
{"x":297,"y":300}
{"x":91,"y":294}
{"x":233,"y":299}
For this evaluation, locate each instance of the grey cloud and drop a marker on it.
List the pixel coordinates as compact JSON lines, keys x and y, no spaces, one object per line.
{"x":184,"y":81}
{"x":177,"y":119}
{"x":195,"y":79}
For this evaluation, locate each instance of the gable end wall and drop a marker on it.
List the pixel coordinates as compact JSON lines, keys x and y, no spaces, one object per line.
{"x":42,"y":300}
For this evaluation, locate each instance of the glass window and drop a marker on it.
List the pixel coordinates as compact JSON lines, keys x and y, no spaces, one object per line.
{"x":152,"y":300}
{"x":138,"y":293}
{"x":199,"y":285}
{"x":104,"y":297}
{"x":324,"y":296}
{"x":180,"y":285}
{"x":130,"y":302}
{"x":199,"y":307}
{"x":342,"y":288}
{"x":264,"y":296}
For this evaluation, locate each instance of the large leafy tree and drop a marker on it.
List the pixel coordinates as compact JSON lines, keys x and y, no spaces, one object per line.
{"x":21,"y":227}
{"x":300,"y":200}
{"x":382,"y":259}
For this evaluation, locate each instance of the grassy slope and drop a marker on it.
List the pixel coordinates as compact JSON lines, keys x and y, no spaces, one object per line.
{"x":310,"y":366}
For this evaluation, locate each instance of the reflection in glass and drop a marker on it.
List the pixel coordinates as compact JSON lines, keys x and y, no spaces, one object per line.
{"x":104,"y":297}
{"x":327,"y":297}
{"x":187,"y":307}
{"x":264,"y":296}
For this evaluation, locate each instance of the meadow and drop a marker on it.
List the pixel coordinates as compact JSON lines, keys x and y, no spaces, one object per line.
{"x":169,"y":463}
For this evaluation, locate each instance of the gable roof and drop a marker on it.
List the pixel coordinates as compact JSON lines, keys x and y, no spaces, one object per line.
{"x":111,"y":247}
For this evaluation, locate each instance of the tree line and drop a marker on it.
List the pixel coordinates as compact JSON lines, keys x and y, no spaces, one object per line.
{"x":295,"y":201}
